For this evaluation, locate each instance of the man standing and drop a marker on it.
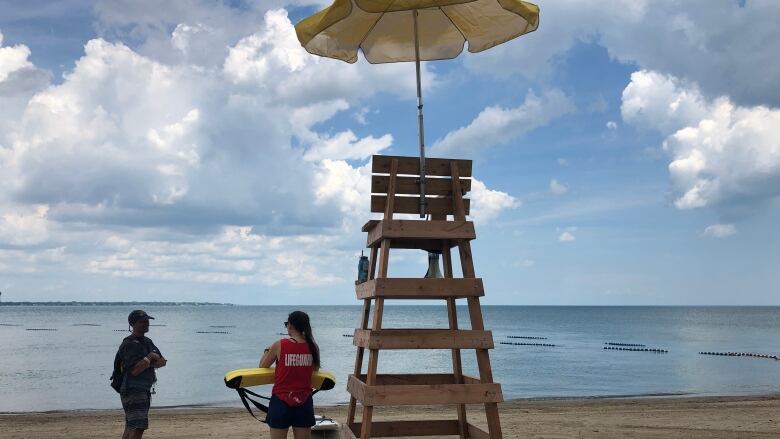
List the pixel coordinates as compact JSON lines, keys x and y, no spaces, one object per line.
{"x":139,"y":359}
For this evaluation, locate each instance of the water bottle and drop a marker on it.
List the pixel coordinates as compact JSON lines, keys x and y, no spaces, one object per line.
{"x":362,"y":268}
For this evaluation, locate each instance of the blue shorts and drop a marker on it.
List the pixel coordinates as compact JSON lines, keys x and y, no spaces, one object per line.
{"x":281,"y":415}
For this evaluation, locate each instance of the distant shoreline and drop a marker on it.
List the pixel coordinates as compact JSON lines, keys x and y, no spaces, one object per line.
{"x":73,"y":303}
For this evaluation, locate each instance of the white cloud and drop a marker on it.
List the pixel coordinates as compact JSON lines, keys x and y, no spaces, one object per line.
{"x":611,"y":125}
{"x":566,"y":237}
{"x":24,"y":228}
{"x":525,"y":263}
{"x":486,"y":204}
{"x":566,"y":234}
{"x":557,"y":188}
{"x":495,"y":125}
{"x":563,"y":162}
{"x":346,"y":145}
{"x":720,"y":230}
{"x":13,"y":59}
{"x":693,"y":40}
{"x":722,"y":154}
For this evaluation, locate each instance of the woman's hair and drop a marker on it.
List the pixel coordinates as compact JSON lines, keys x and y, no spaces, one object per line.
{"x":300,"y":320}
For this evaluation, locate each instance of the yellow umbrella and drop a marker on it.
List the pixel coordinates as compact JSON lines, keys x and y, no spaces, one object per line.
{"x":414,"y":30}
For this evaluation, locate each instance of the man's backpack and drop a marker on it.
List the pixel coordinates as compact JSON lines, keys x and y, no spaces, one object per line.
{"x":118,"y":374}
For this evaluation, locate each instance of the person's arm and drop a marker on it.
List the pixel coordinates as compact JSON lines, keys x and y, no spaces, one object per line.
{"x":133,"y":354}
{"x":160,"y":362}
{"x":270,"y":355}
{"x":317,"y":367}
{"x":141,"y":366}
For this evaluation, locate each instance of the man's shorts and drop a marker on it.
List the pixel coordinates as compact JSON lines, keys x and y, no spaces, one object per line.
{"x":136,"y":405}
{"x":281,"y":415}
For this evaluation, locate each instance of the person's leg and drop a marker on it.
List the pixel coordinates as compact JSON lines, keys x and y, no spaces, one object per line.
{"x":278,"y":433}
{"x":301,"y":432}
{"x":303,"y":420}
{"x":136,"y":405}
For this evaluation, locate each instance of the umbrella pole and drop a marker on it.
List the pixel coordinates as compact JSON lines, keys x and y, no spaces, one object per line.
{"x":420,"y":128}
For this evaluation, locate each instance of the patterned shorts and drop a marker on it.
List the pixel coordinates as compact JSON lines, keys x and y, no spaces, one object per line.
{"x":136,"y":405}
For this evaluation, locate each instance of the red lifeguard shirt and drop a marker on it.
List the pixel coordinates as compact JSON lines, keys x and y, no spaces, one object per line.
{"x":294,"y":367}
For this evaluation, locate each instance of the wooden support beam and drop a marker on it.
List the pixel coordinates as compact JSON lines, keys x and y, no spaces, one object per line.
{"x":436,"y":205}
{"x":380,"y":164}
{"x":417,"y":288}
{"x":433,"y":427}
{"x":410,"y":230}
{"x":459,"y":206}
{"x":422,"y":394}
{"x":390,"y":198}
{"x":423,"y":339}
{"x":359,"y":356}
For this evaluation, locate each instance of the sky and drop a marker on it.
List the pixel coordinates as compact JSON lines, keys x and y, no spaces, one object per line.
{"x":625,"y":153}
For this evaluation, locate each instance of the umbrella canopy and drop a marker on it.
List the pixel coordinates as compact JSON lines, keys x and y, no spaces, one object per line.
{"x":383,"y":28}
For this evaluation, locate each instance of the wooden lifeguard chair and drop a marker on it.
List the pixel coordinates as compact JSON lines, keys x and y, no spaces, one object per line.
{"x":395,"y":188}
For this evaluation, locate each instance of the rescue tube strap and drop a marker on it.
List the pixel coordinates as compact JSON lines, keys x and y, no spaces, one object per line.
{"x":242,"y":393}
{"x":245,"y":399}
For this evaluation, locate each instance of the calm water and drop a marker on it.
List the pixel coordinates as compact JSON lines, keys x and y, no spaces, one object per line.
{"x":69,"y":368}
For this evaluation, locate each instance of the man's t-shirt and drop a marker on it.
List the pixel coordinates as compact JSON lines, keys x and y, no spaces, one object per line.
{"x":132,"y":350}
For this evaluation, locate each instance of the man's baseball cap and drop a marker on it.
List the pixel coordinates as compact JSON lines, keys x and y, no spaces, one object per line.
{"x":138,"y":315}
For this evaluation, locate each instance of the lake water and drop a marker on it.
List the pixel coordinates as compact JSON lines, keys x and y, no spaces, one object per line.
{"x":69,"y":368}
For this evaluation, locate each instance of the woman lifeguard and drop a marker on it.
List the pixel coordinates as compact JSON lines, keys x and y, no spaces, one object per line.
{"x":296,"y":358}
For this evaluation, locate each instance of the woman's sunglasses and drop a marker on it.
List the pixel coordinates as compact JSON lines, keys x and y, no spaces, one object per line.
{"x":286,"y":324}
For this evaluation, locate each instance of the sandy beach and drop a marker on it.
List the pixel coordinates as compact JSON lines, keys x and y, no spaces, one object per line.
{"x":662,"y":417}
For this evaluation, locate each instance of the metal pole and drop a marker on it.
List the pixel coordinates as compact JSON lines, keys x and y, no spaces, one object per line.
{"x":419,"y":117}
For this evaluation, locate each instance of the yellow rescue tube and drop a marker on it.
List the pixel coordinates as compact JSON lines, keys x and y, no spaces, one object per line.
{"x":239,"y":378}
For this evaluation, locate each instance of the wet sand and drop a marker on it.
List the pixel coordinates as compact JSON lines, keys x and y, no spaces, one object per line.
{"x":662,"y":417}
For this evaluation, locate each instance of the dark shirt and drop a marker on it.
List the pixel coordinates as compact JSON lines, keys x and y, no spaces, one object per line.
{"x":132,"y":350}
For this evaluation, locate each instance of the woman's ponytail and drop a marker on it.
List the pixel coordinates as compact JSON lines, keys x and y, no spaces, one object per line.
{"x":300,"y":320}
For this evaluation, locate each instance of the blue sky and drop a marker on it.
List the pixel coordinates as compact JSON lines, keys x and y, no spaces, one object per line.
{"x":625,"y":153}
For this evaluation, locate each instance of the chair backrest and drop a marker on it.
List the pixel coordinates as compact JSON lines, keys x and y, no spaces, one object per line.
{"x":438,"y":184}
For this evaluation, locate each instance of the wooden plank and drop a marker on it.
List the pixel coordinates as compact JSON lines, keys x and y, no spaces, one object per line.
{"x":423,"y":394}
{"x":423,"y":339}
{"x":477,"y":433}
{"x":411,"y":186}
{"x":419,"y":288}
{"x":380,"y":164}
{"x":422,"y":230}
{"x":436,"y":205}
{"x":432,"y":427}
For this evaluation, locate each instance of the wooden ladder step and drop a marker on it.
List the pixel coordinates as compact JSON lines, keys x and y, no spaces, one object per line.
{"x":419,"y":288}
{"x":424,"y":390}
{"x":414,"y":234}
{"x":423,"y":339}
